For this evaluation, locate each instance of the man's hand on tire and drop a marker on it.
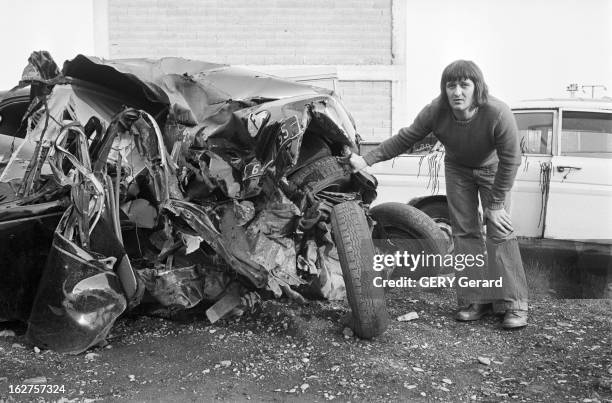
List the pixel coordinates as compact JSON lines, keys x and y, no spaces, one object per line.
{"x":357,"y":162}
{"x":500,"y":220}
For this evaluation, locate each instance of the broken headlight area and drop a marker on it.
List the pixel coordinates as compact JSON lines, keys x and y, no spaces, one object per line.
{"x":186,"y":181}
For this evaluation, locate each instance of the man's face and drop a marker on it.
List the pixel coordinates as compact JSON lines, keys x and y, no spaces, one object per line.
{"x":460,"y":94}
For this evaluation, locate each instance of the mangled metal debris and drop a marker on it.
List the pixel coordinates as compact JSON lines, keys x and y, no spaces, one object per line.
{"x":190,"y":180}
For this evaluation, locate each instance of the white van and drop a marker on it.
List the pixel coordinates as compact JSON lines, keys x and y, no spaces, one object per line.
{"x":562,"y":196}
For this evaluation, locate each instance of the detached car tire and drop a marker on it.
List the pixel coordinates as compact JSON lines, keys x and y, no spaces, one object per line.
{"x":400,"y":227}
{"x":438,"y":211}
{"x":353,"y":240}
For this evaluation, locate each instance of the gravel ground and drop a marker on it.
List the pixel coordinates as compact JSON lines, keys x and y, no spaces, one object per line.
{"x":288,"y":352}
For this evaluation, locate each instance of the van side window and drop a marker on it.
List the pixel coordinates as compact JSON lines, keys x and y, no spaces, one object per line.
{"x":586,"y":134}
{"x":535,"y":132}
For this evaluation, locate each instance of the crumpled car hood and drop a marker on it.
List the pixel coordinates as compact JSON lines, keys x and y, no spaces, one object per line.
{"x":191,"y":88}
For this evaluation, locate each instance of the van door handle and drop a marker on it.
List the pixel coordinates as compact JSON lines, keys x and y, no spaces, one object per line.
{"x":563,"y":168}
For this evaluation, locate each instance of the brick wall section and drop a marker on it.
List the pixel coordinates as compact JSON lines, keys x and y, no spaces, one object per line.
{"x":370,"y":104}
{"x":251,"y":32}
{"x":279,"y":32}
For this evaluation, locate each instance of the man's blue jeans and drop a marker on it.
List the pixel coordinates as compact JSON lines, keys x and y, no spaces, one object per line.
{"x":503,"y":258}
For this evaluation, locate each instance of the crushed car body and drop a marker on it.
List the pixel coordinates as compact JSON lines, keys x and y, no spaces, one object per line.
{"x":182,"y":181}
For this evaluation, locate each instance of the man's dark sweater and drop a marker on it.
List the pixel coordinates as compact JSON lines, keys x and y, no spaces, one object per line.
{"x":489,"y":137}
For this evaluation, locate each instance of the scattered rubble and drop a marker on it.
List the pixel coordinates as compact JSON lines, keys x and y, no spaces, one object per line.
{"x":347,"y":332}
{"x":35,"y":381}
{"x":91,"y":356}
{"x":484,"y":360}
{"x":408,"y":317}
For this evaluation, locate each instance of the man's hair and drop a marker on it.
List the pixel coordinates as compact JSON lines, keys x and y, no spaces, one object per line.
{"x":462,"y":69}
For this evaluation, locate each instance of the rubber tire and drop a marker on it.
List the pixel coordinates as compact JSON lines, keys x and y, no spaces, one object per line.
{"x":313,"y":148}
{"x":353,"y":240}
{"x":438,"y":211}
{"x":321,"y":169}
{"x":401,"y":221}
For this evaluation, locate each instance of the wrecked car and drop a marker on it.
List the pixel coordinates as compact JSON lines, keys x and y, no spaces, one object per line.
{"x":181,"y":181}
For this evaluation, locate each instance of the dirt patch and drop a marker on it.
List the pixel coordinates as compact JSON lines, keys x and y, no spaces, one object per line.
{"x":288,"y":352}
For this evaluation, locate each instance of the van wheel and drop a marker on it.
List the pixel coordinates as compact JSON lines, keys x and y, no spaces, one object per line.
{"x":403,"y":228}
{"x":353,"y":239}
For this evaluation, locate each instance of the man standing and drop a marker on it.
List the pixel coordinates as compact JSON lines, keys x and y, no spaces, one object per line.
{"x":481,"y":142}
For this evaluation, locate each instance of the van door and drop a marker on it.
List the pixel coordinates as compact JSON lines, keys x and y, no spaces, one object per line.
{"x":415,"y":174}
{"x":527,"y":209}
{"x":580,"y":198}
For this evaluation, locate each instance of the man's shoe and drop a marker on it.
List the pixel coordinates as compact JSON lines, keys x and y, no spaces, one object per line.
{"x":514,"y":319}
{"x":474,"y":312}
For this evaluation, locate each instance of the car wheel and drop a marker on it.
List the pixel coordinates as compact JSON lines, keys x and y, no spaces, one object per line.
{"x":353,"y":239}
{"x":313,"y":148}
{"x":403,"y":228}
{"x":321,"y":174}
{"x":438,"y":211}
